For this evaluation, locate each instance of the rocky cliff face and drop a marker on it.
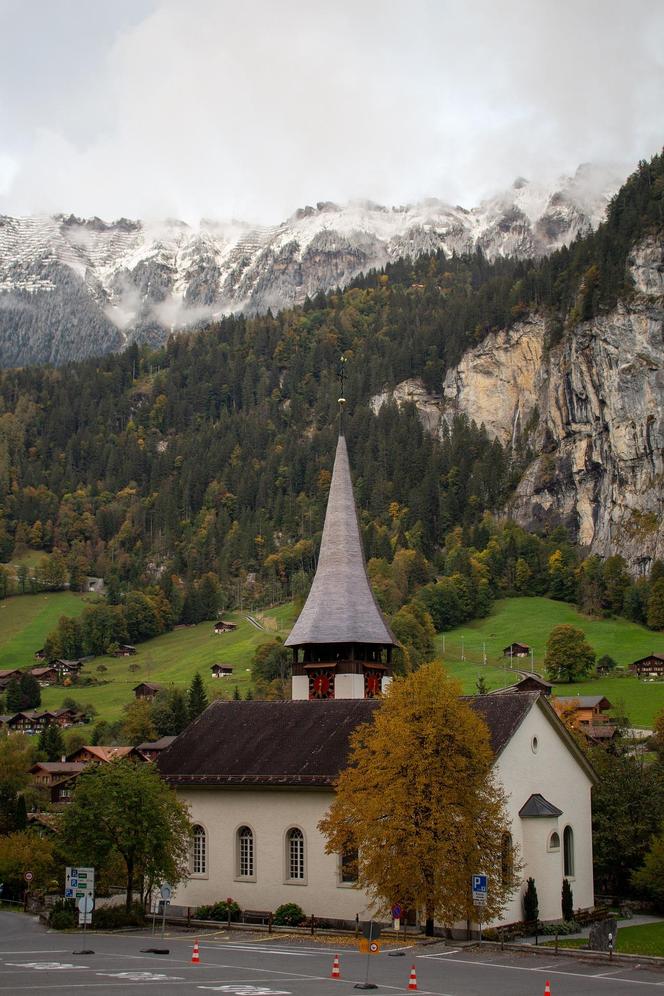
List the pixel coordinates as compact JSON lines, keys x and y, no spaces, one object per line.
{"x":72,"y":287}
{"x":590,"y":409}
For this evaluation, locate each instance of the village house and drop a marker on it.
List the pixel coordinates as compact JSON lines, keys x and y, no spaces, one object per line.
{"x":516,"y":650}
{"x":146,"y":690}
{"x":651,"y":666}
{"x":7,"y":676}
{"x":224,"y":627}
{"x":151,"y":749}
{"x":259,"y":776}
{"x":45,"y":675}
{"x":125,"y":650}
{"x":66,"y":668}
{"x":102,"y":755}
{"x":221,"y":670}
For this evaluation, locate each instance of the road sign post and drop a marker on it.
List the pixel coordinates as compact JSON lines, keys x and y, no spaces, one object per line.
{"x":480,"y":889}
{"x":165,"y":892}
{"x":371,"y":933}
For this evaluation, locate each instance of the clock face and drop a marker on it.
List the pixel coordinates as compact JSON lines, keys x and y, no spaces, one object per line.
{"x":321,"y":684}
{"x":372,"y":684}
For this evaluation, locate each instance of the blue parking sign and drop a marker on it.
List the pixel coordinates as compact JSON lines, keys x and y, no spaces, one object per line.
{"x":479,"y":885}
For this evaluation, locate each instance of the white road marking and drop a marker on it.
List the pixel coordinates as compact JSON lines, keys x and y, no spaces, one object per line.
{"x":552,"y":971}
{"x":43,"y":966}
{"x":257,"y":949}
{"x":248,"y":990}
{"x":441,"y":954}
{"x":141,"y":976}
{"x":36,"y":951}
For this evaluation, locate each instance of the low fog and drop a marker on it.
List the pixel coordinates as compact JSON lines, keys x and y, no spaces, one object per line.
{"x":220,"y":110}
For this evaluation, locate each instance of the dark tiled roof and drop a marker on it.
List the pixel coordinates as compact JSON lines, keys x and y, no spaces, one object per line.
{"x":296,"y":743}
{"x":537,"y":807}
{"x":160,"y":744}
{"x":340,"y":607}
{"x":59,"y":767}
{"x":584,"y":701}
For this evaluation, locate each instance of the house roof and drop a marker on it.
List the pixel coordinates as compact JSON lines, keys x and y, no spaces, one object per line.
{"x":584,"y":701}
{"x":160,"y":744}
{"x":59,"y":767}
{"x":537,"y":807}
{"x":147,"y":684}
{"x":515,"y":643}
{"x":340,"y":607}
{"x":9,"y":672}
{"x":37,"y":671}
{"x":103,"y":753}
{"x":296,"y":742}
{"x":641,"y":660}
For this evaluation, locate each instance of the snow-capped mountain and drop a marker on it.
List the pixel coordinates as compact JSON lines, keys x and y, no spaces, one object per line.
{"x":71,"y":288}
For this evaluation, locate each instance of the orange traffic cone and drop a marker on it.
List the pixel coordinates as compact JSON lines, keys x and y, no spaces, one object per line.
{"x":412,"y":982}
{"x":195,"y":956}
{"x":547,"y":988}
{"x":336,"y":971}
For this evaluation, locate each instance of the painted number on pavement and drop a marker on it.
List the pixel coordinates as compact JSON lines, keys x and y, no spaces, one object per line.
{"x":142,"y":976}
{"x":42,"y":966}
{"x":244,"y":990}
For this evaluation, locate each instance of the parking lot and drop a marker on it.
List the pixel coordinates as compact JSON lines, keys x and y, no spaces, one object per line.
{"x":36,"y":960}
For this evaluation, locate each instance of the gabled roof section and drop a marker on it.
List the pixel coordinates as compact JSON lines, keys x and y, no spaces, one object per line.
{"x":297,"y":743}
{"x":537,"y":807}
{"x":341,"y":607}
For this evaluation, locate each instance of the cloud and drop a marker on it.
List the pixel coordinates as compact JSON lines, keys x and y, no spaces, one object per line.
{"x":224,"y":110}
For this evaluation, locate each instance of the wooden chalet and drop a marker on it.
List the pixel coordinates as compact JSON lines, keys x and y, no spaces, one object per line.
{"x":45,"y":675}
{"x":146,"y":690}
{"x":528,"y":683}
{"x":588,"y":714}
{"x":516,"y":650}
{"x":125,"y":650}
{"x":29,"y":721}
{"x":224,"y":627}
{"x":342,"y":645}
{"x":66,"y":668}
{"x":221,"y":670}
{"x":45,"y":774}
{"x":151,"y":749}
{"x":651,"y":666}
{"x":8,"y":675}
{"x":102,"y":755}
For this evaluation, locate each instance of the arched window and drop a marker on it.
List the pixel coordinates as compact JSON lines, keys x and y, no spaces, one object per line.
{"x":245,"y":853}
{"x":506,"y":859}
{"x":568,"y":852}
{"x":199,"y":851}
{"x":295,"y":854}
{"x":554,"y":841}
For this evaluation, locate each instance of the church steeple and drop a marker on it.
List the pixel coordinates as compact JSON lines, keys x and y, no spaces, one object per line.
{"x":342,"y":644}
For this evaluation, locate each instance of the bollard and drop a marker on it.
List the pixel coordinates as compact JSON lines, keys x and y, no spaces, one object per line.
{"x":555,"y":947}
{"x":269,"y":923}
{"x":313,"y":924}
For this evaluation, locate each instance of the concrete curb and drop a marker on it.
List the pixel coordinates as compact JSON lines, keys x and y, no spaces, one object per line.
{"x":582,"y":954}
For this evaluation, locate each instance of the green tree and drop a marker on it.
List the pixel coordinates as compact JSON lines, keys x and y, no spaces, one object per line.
{"x":197,"y":699}
{"x":419,"y":802}
{"x":125,"y":809}
{"x":655,"y":610}
{"x":24,"y":851}
{"x":567,"y":900}
{"x":51,"y":742}
{"x":169,"y":712}
{"x":649,"y":879}
{"x":530,"y":902}
{"x":23,"y":693}
{"x":271,"y":660}
{"x":568,"y":654}
{"x":138,"y":725}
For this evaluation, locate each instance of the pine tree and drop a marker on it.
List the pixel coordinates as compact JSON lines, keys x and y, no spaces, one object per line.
{"x":567,"y":901}
{"x":197,"y":699}
{"x":236,"y":694}
{"x":52,"y":743}
{"x":530,"y":902}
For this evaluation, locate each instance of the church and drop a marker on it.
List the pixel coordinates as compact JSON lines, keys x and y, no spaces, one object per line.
{"x":259,"y":776}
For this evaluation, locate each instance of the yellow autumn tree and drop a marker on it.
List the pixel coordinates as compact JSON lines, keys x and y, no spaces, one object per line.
{"x":420,"y":805}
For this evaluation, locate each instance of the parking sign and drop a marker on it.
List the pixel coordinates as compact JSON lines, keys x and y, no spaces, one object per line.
{"x":480,"y":889}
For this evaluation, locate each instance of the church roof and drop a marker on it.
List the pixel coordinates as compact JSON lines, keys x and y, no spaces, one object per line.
{"x":341,"y":607}
{"x":537,"y":807}
{"x":296,"y":743}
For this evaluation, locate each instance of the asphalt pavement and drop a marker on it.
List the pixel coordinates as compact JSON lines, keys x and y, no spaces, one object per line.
{"x":35,"y":960}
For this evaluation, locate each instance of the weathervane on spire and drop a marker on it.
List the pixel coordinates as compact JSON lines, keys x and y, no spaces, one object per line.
{"x":341,"y":399}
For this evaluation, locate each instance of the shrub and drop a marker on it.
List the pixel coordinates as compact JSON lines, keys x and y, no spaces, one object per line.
{"x":288,"y":915}
{"x":63,"y":915}
{"x":567,"y":901}
{"x":219,"y":911}
{"x":561,"y":927}
{"x":115,"y":917}
{"x":530,"y":902}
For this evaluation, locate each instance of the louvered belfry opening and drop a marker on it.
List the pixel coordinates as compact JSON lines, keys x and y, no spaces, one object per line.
{"x":342,"y":645}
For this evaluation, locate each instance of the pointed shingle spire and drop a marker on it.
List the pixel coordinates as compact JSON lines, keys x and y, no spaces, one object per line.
{"x":341,"y":607}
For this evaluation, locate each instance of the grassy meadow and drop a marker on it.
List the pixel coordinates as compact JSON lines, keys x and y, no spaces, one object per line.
{"x":530,"y":620}
{"x":26,"y":620}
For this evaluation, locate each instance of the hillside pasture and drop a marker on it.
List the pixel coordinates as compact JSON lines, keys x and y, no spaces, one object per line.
{"x":26,"y":621}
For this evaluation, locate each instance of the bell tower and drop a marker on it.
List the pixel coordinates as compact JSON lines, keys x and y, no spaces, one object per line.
{"x":342,"y":645}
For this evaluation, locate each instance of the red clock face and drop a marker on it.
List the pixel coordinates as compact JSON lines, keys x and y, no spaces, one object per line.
{"x":321,"y":685}
{"x":372,"y":685}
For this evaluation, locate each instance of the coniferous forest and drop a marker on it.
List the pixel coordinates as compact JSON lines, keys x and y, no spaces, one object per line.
{"x":156,"y":469}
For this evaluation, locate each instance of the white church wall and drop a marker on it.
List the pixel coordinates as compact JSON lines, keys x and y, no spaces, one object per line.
{"x":270,"y":813}
{"x":552,"y":770}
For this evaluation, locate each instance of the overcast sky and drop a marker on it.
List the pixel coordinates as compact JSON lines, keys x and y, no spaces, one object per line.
{"x":250,"y":109}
